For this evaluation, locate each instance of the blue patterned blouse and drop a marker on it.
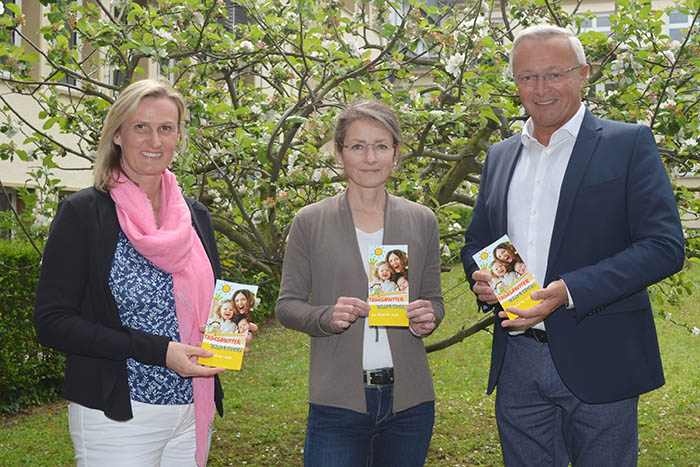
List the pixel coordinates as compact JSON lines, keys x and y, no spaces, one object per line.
{"x":144,"y":296}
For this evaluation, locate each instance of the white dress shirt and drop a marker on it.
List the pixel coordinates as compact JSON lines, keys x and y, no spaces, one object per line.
{"x":533,"y":195}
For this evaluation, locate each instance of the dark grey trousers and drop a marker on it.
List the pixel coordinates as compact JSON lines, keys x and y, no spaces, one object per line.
{"x":541,"y":423}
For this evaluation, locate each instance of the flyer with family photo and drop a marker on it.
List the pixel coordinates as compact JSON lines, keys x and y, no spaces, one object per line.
{"x":388,"y":285}
{"x":510,"y":280}
{"x":227,"y":326}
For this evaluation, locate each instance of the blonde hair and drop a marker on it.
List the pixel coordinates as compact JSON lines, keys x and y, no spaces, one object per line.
{"x":221,"y":306}
{"x":379,"y":265}
{"x":109,"y":154}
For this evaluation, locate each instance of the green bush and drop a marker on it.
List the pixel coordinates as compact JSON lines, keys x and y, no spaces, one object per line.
{"x":29,"y":373}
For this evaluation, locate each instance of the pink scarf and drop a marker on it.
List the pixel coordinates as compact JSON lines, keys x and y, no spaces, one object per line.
{"x":175,"y":248}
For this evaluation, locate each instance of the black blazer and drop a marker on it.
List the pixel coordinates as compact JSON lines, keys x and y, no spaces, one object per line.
{"x":75,"y":311}
{"x":616,"y":231}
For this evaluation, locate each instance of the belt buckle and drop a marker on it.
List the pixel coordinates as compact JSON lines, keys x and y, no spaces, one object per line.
{"x":385,"y":376}
{"x":539,"y":335}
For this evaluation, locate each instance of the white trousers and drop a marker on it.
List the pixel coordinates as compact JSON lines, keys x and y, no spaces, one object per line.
{"x":158,"y":435}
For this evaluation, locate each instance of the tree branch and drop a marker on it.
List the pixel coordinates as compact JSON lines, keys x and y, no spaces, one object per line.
{"x":462,"y":334}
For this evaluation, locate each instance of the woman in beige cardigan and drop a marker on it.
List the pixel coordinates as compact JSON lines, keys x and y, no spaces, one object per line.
{"x":370,"y":389}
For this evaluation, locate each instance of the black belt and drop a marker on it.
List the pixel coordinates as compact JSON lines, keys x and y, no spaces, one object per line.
{"x":537,"y":334}
{"x":378,"y":377}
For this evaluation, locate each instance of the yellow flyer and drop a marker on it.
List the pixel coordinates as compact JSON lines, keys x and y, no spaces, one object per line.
{"x":388,"y":285}
{"x":228,"y":324}
{"x":510,"y":280}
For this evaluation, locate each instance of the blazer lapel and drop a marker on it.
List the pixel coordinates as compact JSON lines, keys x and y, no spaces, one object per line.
{"x":586,"y":142}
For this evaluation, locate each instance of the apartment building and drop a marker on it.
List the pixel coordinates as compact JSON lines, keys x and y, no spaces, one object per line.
{"x":74,"y":171}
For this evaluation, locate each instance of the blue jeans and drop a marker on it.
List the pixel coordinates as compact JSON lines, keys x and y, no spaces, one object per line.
{"x":343,"y":438}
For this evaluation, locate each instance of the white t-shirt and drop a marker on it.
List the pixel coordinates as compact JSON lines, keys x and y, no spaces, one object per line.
{"x":376,"y":352}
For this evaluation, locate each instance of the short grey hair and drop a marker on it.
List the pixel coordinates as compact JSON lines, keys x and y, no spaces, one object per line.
{"x":367,"y":110}
{"x":544,"y":31}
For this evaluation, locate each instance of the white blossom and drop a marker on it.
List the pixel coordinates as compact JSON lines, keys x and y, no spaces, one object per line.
{"x":354,"y":44}
{"x":695,"y":332}
{"x":688,"y":143}
{"x":668,"y":54}
{"x":12,"y":129}
{"x":617,"y":67}
{"x":453,"y":63}
{"x":41,"y":220}
{"x":317,"y":175}
{"x":166,"y":35}
{"x":247,"y":46}
{"x":445,"y":250}
{"x":270,"y":116}
{"x":2,"y":8}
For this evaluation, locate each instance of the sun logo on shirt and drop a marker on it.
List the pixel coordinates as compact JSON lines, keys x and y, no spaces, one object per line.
{"x":484,"y":255}
{"x":226,"y":288}
{"x":378,"y":252}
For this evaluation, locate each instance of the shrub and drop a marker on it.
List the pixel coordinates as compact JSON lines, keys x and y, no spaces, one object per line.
{"x":29,"y":373}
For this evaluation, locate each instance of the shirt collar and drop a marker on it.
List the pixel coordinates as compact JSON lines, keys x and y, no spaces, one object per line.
{"x":570,"y":128}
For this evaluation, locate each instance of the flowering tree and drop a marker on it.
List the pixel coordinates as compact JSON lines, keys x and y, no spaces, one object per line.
{"x":263,"y":95}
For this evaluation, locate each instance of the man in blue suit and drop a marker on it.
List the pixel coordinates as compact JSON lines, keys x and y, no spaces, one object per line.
{"x":588,"y":204}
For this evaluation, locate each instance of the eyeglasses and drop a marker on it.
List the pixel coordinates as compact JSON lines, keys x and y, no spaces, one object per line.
{"x":360,"y":149}
{"x":555,"y":75}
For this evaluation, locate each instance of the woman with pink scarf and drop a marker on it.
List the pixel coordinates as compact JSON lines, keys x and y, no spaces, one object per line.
{"x":125,"y":285}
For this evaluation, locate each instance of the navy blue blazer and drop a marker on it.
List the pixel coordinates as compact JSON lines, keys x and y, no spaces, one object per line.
{"x":75,"y":311}
{"x":616,"y":231}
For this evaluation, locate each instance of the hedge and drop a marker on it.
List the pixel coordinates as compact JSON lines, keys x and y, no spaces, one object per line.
{"x":29,"y":373}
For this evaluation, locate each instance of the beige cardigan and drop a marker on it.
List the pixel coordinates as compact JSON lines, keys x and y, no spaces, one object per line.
{"x":322,"y":263}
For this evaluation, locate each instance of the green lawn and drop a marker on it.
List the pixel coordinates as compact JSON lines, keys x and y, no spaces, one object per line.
{"x":266,"y":410}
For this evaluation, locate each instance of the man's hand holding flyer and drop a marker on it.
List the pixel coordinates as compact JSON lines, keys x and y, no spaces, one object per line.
{"x":510,"y":280}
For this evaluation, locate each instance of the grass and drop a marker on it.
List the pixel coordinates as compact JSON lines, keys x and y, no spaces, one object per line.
{"x":266,"y":409}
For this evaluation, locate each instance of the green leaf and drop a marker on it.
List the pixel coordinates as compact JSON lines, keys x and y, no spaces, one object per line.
{"x":22,"y":154}
{"x":297,"y":119}
{"x":31,"y":57}
{"x":50,"y":122}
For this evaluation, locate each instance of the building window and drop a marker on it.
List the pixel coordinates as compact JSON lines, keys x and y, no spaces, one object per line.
{"x":397,"y":17}
{"x":599,"y":23}
{"x":678,"y":24}
{"x":5,"y":201}
{"x":73,"y":44}
{"x":235,"y":14}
